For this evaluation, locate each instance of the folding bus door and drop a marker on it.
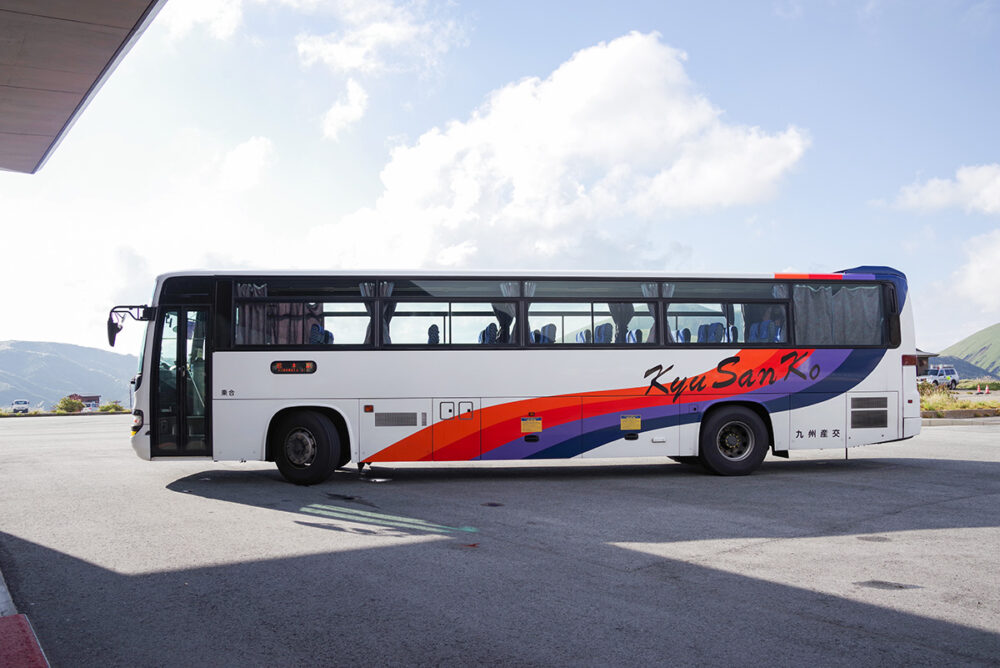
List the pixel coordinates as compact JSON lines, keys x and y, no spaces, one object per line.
{"x":180,"y":415}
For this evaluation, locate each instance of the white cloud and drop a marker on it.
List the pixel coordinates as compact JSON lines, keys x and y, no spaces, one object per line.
{"x":243,"y":167}
{"x":976,"y":279}
{"x":345,"y":112}
{"x":975,"y":189}
{"x":582,"y":168}
{"x":374,"y":38}
{"x":220,"y":17}
{"x":380,"y":36}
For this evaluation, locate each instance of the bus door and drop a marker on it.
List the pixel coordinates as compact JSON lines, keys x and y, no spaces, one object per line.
{"x":180,"y":400}
{"x":456,"y":429}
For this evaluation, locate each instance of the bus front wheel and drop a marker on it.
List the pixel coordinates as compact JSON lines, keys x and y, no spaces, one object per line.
{"x":306,"y":447}
{"x":733,"y":441}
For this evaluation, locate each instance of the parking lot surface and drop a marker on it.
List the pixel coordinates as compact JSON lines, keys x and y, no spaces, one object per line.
{"x":888,"y":557}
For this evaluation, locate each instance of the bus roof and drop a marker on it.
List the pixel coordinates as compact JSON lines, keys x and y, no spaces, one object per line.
{"x":859,"y":273}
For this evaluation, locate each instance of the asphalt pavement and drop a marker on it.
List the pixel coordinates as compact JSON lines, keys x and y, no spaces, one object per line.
{"x":888,"y":557}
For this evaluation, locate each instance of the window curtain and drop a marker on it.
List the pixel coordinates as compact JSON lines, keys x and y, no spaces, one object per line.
{"x":290,"y":323}
{"x":369,"y":292}
{"x":838,"y":315}
{"x":251,"y":317}
{"x":858,"y":312}
{"x":813,"y":319}
{"x":649,"y":291}
{"x":622,"y":314}
{"x":388,"y":309}
{"x":505,"y":313}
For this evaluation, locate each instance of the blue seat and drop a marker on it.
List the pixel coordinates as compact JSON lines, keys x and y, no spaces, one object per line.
{"x":548,"y":334}
{"x":603,"y":333}
{"x":319,"y":336}
{"x":433,"y":335}
{"x":766,"y":331}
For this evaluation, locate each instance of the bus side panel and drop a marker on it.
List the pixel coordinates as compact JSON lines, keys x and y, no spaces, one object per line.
{"x":817,"y":421}
{"x":638,"y":426}
{"x":530,"y":427}
{"x":239,"y":426}
{"x":239,"y":429}
{"x":872,"y":417}
{"x":394,"y":421}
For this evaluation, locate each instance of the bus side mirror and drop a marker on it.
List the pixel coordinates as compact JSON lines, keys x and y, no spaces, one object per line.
{"x":113,"y":329}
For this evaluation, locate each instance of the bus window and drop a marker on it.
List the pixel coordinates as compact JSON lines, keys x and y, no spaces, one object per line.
{"x":764,"y":323}
{"x":697,"y":323}
{"x":412,"y":321}
{"x":562,"y":323}
{"x":454,"y":323}
{"x":486,"y":324}
{"x":839,"y":315}
{"x":631,"y":323}
{"x":344,"y":324}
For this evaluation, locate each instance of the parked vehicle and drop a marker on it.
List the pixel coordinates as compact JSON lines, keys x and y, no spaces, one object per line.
{"x":941,"y":375}
{"x":315,"y":370}
{"x":19,"y":406}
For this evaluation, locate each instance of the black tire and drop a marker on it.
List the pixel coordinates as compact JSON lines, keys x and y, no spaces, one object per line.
{"x":306,"y":447}
{"x":686,"y":459}
{"x":952,"y":385}
{"x":345,"y":456}
{"x":733,"y":441}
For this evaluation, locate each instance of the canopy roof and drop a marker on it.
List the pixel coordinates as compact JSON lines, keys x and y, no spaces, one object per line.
{"x":54,"y":57}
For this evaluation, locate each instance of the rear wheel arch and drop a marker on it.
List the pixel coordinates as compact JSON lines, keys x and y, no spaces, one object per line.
{"x":761,"y":412}
{"x":332,"y":414}
{"x":752,"y":420}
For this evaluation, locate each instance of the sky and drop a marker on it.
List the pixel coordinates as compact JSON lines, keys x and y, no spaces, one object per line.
{"x":714,"y":137}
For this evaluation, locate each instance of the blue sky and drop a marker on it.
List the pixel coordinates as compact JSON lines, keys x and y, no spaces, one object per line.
{"x":696,"y":137}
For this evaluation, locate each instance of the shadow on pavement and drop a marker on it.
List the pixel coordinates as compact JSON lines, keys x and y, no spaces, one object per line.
{"x":521,"y":570}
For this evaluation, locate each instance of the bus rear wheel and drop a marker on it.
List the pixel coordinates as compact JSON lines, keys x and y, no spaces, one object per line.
{"x":306,"y":447}
{"x":733,"y":441}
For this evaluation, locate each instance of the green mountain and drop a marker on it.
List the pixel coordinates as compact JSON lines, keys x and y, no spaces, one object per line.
{"x":966,"y":371}
{"x":981,"y":349}
{"x":44,"y":373}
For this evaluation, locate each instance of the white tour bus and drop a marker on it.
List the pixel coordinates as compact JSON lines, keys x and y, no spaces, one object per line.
{"x":312,"y":371}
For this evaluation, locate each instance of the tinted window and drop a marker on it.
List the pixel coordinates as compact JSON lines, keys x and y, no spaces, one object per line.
{"x":589,"y":289}
{"x":725,"y":290}
{"x":455,"y":289}
{"x":839,"y":315}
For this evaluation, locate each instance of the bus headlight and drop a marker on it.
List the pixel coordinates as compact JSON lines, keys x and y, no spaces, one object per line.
{"x":137,"y":421}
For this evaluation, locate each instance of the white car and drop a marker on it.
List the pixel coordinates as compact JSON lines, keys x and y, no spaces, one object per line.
{"x":942,"y":375}
{"x":19,"y":406}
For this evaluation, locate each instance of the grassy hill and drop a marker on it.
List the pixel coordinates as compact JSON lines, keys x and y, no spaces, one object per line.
{"x":981,"y":349}
{"x":43,"y":373}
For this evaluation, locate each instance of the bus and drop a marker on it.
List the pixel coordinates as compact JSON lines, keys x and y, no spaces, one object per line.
{"x":316,"y":370}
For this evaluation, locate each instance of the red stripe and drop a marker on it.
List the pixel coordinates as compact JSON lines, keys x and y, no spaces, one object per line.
{"x":797,"y":277}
